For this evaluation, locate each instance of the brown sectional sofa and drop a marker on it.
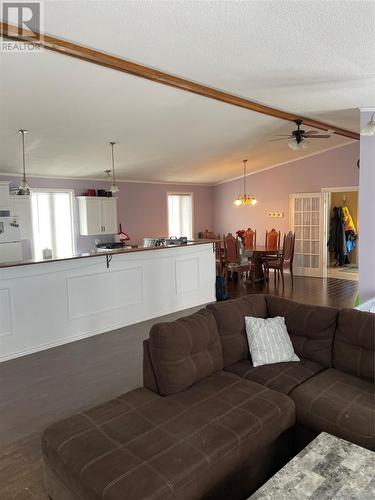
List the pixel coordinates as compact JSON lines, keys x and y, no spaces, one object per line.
{"x":207,"y":424}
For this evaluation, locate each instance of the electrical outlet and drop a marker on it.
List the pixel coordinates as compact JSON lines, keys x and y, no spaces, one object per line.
{"x":276,"y":215}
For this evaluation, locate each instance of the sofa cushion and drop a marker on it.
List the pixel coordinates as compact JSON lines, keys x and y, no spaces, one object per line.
{"x":230,"y":319}
{"x":354,"y":344}
{"x":185,"y":351}
{"x":142,"y":445}
{"x":338,"y":403}
{"x":281,"y":377}
{"x":311,"y":328}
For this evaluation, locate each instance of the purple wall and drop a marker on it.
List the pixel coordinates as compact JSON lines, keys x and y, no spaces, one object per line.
{"x":272,"y":187}
{"x":142,"y":208}
{"x":367,"y":213}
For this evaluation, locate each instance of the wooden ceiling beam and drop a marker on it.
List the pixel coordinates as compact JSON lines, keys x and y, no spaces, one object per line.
{"x":119,"y":64}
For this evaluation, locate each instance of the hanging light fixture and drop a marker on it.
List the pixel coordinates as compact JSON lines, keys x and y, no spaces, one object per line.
{"x":245,"y":199}
{"x":369,"y":129}
{"x":24,"y":188}
{"x":114,"y":187}
{"x":298,"y":144}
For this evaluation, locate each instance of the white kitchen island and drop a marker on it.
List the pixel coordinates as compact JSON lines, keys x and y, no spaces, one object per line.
{"x":49,"y":303}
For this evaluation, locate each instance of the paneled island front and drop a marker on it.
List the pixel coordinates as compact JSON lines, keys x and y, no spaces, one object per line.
{"x":48,"y":303}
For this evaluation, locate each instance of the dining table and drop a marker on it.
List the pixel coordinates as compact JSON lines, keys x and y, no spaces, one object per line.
{"x":257,"y":254}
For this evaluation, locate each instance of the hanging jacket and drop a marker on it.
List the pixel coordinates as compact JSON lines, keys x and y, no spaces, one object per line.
{"x":337,"y":239}
{"x":351,"y":240}
{"x":348,"y":221}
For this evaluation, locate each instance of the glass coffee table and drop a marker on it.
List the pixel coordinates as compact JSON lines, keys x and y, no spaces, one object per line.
{"x":328,"y":468}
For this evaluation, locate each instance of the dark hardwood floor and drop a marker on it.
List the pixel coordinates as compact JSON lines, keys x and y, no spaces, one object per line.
{"x":326,"y":292}
{"x":44,"y":387}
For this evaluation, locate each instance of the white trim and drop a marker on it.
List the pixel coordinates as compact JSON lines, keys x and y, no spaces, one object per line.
{"x":327,"y":217}
{"x":351,"y":141}
{"x":73,"y":211}
{"x":182,"y":193}
{"x":90,"y":333}
{"x":369,"y":109}
{"x":345,"y":189}
{"x":101,"y":179}
{"x":308,"y":271}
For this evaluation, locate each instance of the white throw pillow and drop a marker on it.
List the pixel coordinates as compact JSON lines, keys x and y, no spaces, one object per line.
{"x":269,"y":341}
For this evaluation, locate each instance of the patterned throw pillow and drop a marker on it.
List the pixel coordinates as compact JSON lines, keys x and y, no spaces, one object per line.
{"x":269,"y":341}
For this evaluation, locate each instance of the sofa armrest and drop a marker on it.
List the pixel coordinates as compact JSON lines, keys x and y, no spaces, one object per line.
{"x":149,"y":380}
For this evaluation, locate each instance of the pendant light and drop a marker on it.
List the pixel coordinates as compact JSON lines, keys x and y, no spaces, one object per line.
{"x":369,"y":129}
{"x":24,"y":188}
{"x":114,"y":187}
{"x":245,"y":198}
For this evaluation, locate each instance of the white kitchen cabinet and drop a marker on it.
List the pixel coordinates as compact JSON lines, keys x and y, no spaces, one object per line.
{"x":97,"y":215}
{"x":4,"y":195}
{"x":109,"y":215}
{"x":20,"y":206}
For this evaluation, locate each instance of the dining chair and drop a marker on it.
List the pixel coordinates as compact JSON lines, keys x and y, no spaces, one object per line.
{"x":210,"y":235}
{"x":250,"y":239}
{"x":219,"y":257}
{"x":233,"y":262}
{"x":282,"y":261}
{"x":272,"y":239}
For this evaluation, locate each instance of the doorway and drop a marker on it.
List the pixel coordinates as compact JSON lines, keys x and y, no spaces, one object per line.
{"x":341,"y":235}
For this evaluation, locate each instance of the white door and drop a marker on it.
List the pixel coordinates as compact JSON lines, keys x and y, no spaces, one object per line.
{"x":94,"y":218}
{"x":306,"y":221}
{"x":109,"y":215}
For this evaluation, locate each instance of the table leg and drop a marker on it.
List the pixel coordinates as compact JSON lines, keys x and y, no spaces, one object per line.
{"x":257,"y":273}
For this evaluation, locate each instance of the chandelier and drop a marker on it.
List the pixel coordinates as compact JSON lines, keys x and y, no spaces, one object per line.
{"x":245,"y":198}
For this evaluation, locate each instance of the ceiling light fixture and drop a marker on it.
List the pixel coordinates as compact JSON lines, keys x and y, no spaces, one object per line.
{"x":298,"y":144}
{"x":114,"y":187}
{"x":245,"y":199}
{"x":24,"y":188}
{"x":369,"y":129}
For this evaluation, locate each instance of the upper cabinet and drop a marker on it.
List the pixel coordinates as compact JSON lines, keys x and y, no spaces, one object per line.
{"x":20,"y":206}
{"x":97,"y":215}
{"x":4,"y":195}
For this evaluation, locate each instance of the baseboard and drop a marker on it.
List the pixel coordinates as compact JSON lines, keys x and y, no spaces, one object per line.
{"x":92,"y":333}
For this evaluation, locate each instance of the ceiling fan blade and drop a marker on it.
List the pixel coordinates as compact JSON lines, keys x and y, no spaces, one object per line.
{"x":282,"y":135}
{"x":282,"y":139}
{"x":312,"y":132}
{"x":320,"y":136}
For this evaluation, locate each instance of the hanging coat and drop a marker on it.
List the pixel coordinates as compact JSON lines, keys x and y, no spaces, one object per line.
{"x":348,"y":221}
{"x":337,"y":239}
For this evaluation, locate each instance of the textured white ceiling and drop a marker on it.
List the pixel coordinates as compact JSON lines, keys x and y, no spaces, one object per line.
{"x":311,"y":57}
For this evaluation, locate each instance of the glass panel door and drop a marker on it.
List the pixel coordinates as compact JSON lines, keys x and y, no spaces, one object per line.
{"x":306,"y":223}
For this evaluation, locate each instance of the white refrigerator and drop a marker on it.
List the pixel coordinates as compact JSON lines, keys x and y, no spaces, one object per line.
{"x":10,"y":240}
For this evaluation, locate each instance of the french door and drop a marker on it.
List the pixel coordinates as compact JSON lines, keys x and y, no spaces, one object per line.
{"x":307,"y":222}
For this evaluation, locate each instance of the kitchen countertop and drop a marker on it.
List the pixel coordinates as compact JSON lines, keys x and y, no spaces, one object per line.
{"x":101,"y":253}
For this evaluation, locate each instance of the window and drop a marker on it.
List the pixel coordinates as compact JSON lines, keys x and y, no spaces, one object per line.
{"x":53,"y":226}
{"x":180,"y":214}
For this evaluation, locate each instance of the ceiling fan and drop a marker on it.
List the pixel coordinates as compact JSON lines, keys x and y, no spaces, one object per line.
{"x":298,"y":138}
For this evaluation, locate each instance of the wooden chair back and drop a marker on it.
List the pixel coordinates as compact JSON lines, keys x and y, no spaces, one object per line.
{"x":250,"y":239}
{"x":272,"y":239}
{"x":231,"y":249}
{"x":288,"y":248}
{"x":210,"y":235}
{"x":218,"y":251}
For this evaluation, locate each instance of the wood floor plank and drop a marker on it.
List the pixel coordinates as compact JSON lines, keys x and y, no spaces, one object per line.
{"x":41,"y":388}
